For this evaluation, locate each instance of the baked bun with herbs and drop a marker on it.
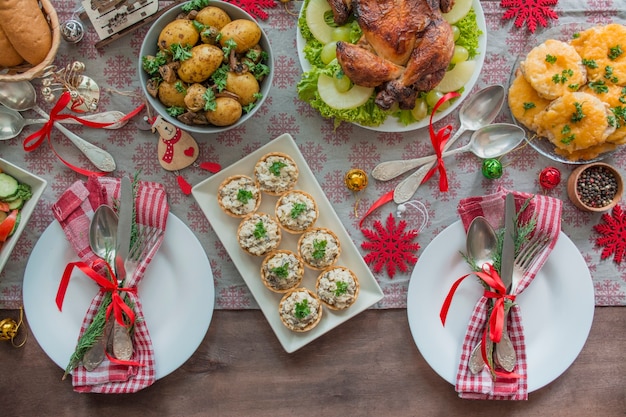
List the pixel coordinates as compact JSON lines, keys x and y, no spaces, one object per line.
{"x":258,"y":234}
{"x":239,"y":195}
{"x":300,"y":310}
{"x":282,"y":270}
{"x":337,"y":287}
{"x":276,"y":173}
{"x":296,"y":211}
{"x":319,"y":248}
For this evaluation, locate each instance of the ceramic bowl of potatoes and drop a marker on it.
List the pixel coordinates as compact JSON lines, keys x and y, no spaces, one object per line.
{"x":206,"y":69}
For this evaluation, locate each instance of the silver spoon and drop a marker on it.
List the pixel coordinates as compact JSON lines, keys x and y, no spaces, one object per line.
{"x":489,"y":141}
{"x":12,"y":122}
{"x":21,"y":95}
{"x":102,"y":240}
{"x":479,"y":110}
{"x":480,"y":244}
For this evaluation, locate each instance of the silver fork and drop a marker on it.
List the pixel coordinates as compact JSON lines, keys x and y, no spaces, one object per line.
{"x":122,"y":344}
{"x":504,"y":351}
{"x":505,"y":355}
{"x":147,"y":237}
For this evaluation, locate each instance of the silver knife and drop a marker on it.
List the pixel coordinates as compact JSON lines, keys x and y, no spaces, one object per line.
{"x":124,"y":226}
{"x":508,"y":245}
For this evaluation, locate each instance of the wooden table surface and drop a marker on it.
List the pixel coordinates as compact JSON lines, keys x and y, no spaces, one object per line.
{"x":370,"y":366}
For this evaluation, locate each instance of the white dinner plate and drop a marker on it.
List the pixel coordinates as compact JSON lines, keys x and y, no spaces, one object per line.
{"x":177,"y":293}
{"x":392,"y":124}
{"x":557,"y":307}
{"x":249,"y":266}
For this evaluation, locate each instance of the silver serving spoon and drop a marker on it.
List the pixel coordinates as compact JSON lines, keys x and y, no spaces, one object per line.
{"x":490,"y":141}
{"x":102,"y":240}
{"x":480,"y":109}
{"x":12,"y":122}
{"x":480,"y":244}
{"x":21,"y":95}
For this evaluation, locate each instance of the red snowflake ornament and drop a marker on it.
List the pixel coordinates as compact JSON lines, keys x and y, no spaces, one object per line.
{"x":613,"y":231}
{"x":391,"y":246}
{"x":255,"y":7}
{"x":530,"y":11}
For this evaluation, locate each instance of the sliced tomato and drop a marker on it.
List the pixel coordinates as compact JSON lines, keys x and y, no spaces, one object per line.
{"x":7,"y":225}
{"x":4,"y":207}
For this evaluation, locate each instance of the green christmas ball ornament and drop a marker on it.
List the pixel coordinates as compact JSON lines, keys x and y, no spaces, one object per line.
{"x":492,"y":168}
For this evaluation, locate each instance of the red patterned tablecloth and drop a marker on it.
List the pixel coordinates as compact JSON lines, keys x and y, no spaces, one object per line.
{"x":329,"y":152}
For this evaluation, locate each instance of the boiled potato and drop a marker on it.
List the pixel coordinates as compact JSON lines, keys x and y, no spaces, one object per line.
{"x":170,"y":96}
{"x":181,"y":31}
{"x":213,"y":16}
{"x":244,"y":85}
{"x":245,"y":33}
{"x":205,"y":59}
{"x":227,"y":111}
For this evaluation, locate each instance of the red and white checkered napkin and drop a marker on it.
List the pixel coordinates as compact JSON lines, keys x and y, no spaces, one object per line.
{"x":74,"y":211}
{"x":547,"y":211}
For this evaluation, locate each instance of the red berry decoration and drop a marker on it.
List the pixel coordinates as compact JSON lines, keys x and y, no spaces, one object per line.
{"x":549,"y":177}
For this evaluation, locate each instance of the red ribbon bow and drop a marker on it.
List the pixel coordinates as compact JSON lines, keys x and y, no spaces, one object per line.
{"x":35,"y":140}
{"x":495,"y":326}
{"x":438,"y":140}
{"x":117,"y":306}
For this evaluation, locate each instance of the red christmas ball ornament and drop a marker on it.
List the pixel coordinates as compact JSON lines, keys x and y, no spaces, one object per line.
{"x":549,"y":177}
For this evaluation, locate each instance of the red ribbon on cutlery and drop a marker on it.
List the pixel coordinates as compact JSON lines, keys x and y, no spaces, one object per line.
{"x":438,"y":140}
{"x":495,"y":326}
{"x":117,"y":306}
{"x":35,"y":140}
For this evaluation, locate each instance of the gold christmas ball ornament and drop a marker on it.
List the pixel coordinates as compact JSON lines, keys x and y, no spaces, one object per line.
{"x":356,"y":179}
{"x":8,"y":329}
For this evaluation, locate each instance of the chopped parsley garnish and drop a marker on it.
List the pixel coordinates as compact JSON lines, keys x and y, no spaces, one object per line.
{"x":620,"y":115}
{"x":175,"y":111}
{"x":276,"y":166}
{"x":179,"y":52}
{"x":229,"y":46}
{"x":615,"y":52}
{"x":219,"y":77}
{"x":151,"y":64}
{"x":342,"y":288}
{"x":573,"y":87}
{"x":578,"y":115}
{"x":550,"y":59}
{"x":319,"y":248}
{"x":297,"y":209}
{"x":244,"y":196}
{"x":180,"y":87}
{"x":302,"y":309}
{"x":281,"y":271}
{"x":567,"y":138}
{"x":599,"y":86}
{"x":562,"y":77}
{"x":529,"y":105}
{"x":209,"y":100}
{"x":608,"y":74}
{"x":259,"y":230}
{"x":590,"y":63}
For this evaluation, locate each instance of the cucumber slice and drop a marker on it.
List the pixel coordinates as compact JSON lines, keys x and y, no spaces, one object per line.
{"x":16,"y":204}
{"x":17,"y":223}
{"x":8,"y":185}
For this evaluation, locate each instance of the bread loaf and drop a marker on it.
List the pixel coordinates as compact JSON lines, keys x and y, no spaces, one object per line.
{"x":9,"y":56}
{"x":27,"y":29}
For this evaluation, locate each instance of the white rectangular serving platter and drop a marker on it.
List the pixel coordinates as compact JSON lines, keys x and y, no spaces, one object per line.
{"x":249,"y":266}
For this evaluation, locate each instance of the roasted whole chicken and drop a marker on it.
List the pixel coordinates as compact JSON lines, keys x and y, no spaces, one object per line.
{"x":405,"y":49}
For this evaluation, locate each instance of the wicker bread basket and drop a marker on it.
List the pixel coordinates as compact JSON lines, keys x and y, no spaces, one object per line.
{"x":27,"y":72}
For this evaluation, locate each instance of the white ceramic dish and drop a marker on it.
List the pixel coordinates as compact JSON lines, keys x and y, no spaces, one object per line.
{"x":557,"y":308}
{"x":249,"y":266}
{"x":392,"y":124}
{"x":38,"y":185}
{"x":176,"y":292}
